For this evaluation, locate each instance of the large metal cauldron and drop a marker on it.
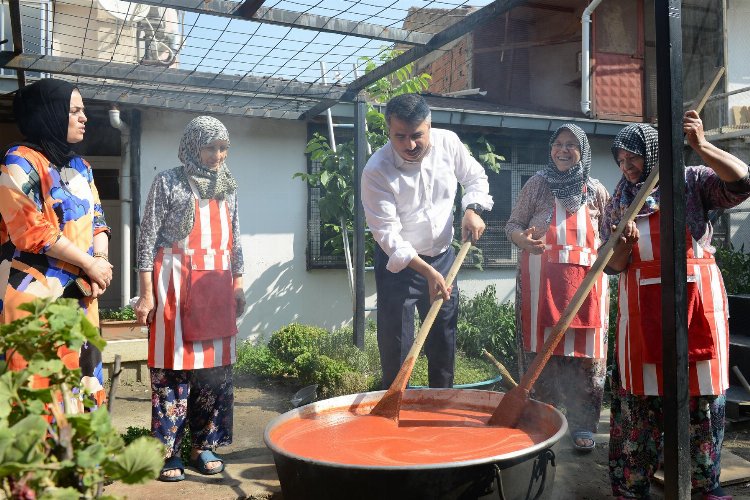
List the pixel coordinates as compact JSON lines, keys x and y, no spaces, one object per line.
{"x":524,"y":474}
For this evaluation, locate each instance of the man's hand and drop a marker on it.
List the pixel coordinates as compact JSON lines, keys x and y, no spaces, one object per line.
{"x":472,"y":226}
{"x":437,"y":288}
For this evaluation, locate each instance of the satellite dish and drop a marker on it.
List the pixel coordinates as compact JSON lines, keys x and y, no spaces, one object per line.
{"x":124,"y":11}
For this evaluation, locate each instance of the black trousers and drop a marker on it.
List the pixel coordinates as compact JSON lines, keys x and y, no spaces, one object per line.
{"x":398,"y":295}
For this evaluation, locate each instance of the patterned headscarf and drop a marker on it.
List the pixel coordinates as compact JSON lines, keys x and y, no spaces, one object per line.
{"x":42,"y":112}
{"x":643,"y":140}
{"x":572,"y":187}
{"x":200,"y":132}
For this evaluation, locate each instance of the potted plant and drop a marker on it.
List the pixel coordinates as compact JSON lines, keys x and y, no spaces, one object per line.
{"x":120,"y":324}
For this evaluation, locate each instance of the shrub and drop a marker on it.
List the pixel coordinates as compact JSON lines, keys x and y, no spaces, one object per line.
{"x":257,"y":358}
{"x":485,"y":323}
{"x":735,"y":268}
{"x":293,"y":340}
{"x":314,"y":368}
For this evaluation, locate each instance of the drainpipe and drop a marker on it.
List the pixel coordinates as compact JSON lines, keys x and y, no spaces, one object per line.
{"x":125,"y":200}
{"x":586,"y":57}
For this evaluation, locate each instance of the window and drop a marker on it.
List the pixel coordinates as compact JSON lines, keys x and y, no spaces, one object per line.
{"x":525,"y":156}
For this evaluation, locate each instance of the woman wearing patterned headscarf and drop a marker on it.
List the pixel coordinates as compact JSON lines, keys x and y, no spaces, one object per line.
{"x":52,"y":227}
{"x":556,"y":224}
{"x":637,"y":414}
{"x":190,"y":263}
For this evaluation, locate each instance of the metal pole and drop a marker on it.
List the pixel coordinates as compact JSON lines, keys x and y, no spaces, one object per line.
{"x":668,"y":16}
{"x":360,"y":158}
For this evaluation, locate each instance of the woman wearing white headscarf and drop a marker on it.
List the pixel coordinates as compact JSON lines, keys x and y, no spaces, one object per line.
{"x":190,"y":263}
{"x":556,"y":223}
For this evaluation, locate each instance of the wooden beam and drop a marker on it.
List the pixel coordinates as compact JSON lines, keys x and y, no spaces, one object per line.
{"x":292,"y":19}
{"x":154,"y":75}
{"x":248,"y":8}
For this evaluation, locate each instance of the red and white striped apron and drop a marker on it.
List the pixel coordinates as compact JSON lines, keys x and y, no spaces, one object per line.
{"x":208,"y":244}
{"x":550,"y":280}
{"x":639,"y":346}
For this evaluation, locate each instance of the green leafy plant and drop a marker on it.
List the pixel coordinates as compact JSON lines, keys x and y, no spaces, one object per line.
{"x":486,"y":323}
{"x":294,"y":340}
{"x":126,"y":313}
{"x":735,"y":268}
{"x":46,"y":450}
{"x":312,"y":355}
{"x":131,"y":434}
{"x":336,"y":167}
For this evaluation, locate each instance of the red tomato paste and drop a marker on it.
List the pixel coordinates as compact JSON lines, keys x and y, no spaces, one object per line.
{"x":422,"y":436}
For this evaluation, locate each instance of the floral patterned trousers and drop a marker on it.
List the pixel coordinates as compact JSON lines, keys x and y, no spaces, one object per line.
{"x":202,"y":399}
{"x":635,"y":442}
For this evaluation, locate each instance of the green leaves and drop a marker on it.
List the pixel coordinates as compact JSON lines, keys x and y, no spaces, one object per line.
{"x":65,"y":456}
{"x":140,"y":462}
{"x":735,"y":268}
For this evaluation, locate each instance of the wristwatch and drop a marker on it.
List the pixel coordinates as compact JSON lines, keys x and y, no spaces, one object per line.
{"x":476,"y":207}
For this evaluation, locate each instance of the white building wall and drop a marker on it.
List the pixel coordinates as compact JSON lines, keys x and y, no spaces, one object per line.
{"x":738,"y":51}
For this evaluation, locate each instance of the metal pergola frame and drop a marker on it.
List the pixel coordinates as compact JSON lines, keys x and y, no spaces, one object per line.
{"x":310,"y":99}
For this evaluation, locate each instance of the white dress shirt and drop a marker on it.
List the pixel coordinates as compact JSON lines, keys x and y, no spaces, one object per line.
{"x":409,"y":205}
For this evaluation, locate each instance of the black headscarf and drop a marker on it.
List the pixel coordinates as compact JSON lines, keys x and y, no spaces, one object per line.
{"x":643,"y":140}
{"x":42,"y":111}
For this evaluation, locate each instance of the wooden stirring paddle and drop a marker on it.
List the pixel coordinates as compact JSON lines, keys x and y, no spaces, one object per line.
{"x":390,"y":404}
{"x":509,"y":410}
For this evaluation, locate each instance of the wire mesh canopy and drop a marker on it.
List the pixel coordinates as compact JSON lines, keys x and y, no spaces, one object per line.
{"x":276,"y":58}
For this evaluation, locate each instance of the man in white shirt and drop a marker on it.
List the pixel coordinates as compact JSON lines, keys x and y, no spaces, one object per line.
{"x":408,"y":192}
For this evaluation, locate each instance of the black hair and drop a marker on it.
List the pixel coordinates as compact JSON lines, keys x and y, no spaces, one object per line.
{"x":411,"y":108}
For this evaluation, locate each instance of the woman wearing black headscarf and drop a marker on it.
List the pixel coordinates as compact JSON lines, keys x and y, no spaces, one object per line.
{"x":52,"y":228}
{"x":556,"y":223}
{"x":637,"y":419}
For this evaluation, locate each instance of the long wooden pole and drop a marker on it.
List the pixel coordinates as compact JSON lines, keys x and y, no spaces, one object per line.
{"x":390,"y":404}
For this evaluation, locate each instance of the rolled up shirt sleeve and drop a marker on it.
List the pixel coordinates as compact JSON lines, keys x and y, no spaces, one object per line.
{"x":382,"y":218}
{"x":22,"y":208}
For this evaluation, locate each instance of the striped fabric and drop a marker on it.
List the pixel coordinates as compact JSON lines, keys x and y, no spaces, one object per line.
{"x":207,"y":247}
{"x":707,"y":377}
{"x":570,"y":239}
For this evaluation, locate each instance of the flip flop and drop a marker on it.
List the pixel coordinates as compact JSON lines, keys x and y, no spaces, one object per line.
{"x":202,"y":460}
{"x":172,"y":463}
{"x":583,"y":435}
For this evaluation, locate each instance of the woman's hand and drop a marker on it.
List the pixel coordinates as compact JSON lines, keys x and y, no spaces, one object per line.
{"x":630,"y":234}
{"x":621,"y":253}
{"x":239,"y":300}
{"x":99,"y":271}
{"x":96,"y":290}
{"x":692,"y":126}
{"x":144,"y":309}
{"x":525,"y":241}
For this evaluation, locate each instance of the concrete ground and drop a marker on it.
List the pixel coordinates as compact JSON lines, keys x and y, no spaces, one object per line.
{"x":250,"y":472}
